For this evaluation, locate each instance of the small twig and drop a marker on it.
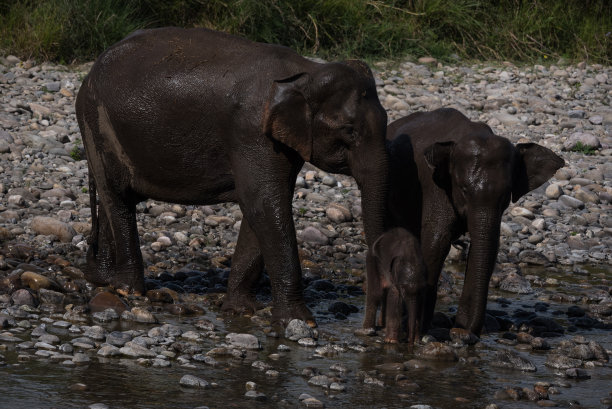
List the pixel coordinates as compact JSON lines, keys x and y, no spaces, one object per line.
{"x":314,"y":23}
{"x":376,"y":4}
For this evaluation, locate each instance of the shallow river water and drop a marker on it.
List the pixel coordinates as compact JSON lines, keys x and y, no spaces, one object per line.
{"x":468,"y":383}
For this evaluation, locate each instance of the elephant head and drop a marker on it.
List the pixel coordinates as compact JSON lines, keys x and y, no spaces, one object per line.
{"x":481,"y":173}
{"x":396,"y":279}
{"x":332,"y":118}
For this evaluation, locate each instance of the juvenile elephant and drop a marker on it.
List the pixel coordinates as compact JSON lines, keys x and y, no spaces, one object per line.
{"x":195,"y":116}
{"x":449,"y":176}
{"x":396,"y":277}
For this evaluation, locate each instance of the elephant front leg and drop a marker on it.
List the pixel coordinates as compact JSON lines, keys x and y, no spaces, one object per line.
{"x":247,"y":267}
{"x":435,"y":243}
{"x":266,"y":206}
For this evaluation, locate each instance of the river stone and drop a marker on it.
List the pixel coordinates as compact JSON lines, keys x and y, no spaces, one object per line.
{"x":166,"y":330}
{"x":9,"y":337}
{"x":586,"y":196}
{"x":307,"y":342}
{"x":585,"y":138}
{"x":463,"y":336}
{"x":108,"y":350}
{"x":319,"y":380}
{"x":139,"y":314}
{"x":553,"y":191}
{"x":571,"y":202}
{"x":40,"y":111}
{"x":247,"y":341}
{"x":6,"y":321}
{"x":539,"y":223}
{"x":521,"y":211}
{"x":135,"y":350}
{"x":437,"y":351}
{"x":80,"y":358}
{"x":561,"y":361}
{"x":515,"y":283}
{"x":50,"y":226}
{"x":297,"y":329}
{"x":311,"y":402}
{"x":95,"y":332}
{"x":49,"y":339}
{"x":511,"y":360}
{"x":107,"y":315}
{"x":596,"y":119}
{"x":105,"y":300}
{"x":194,"y":381}
{"x":338,"y":214}
{"x":313,"y":235}
{"x":37,"y":281}
{"x":23,"y":297}
{"x":259,"y":396}
{"x":51,"y":297}
{"x":581,"y":351}
{"x":534,"y":258}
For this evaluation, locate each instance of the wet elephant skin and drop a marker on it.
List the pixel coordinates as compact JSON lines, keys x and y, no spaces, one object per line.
{"x":450,"y":176}
{"x":194,"y":116}
{"x":396,"y":277}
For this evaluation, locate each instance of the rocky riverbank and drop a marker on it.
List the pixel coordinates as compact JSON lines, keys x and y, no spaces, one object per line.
{"x":555,"y":238}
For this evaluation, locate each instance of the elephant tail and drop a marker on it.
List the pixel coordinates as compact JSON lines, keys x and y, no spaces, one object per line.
{"x":93,"y":203}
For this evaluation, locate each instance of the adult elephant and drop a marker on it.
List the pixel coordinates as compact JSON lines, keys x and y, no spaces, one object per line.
{"x":195,"y":116}
{"x":449,"y":176}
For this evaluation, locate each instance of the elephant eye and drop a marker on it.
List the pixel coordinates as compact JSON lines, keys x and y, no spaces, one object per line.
{"x":349,"y":133}
{"x":364,"y":93}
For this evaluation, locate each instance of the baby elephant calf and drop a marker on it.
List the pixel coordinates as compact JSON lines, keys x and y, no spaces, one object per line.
{"x":396,"y":278}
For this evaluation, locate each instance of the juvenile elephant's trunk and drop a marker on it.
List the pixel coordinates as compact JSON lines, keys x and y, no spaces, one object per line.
{"x":483,"y":226}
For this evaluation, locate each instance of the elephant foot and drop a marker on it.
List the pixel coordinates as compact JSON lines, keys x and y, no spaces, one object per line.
{"x":391,"y":337}
{"x":240,"y":304}
{"x":283,"y":314}
{"x":366,"y":331}
{"x":93,"y":276}
{"x":124,"y":285}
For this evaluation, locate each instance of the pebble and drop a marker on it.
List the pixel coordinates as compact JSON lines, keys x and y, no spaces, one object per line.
{"x":247,"y":341}
{"x":194,"y":381}
{"x":511,"y":360}
{"x":298,"y":329}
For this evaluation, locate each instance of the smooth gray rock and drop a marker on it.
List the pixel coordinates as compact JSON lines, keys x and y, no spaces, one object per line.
{"x":194,"y":382}
{"x":297,"y":329}
{"x":247,"y":341}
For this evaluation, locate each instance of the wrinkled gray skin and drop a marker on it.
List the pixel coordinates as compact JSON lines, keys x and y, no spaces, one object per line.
{"x":449,"y":176}
{"x":396,"y":278}
{"x":194,"y":116}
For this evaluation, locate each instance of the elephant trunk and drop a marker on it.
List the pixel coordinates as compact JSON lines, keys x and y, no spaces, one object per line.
{"x":372,"y":177}
{"x":414,"y":306}
{"x":483,"y":226}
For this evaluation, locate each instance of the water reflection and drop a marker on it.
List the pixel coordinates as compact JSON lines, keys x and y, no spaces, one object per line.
{"x":469,"y":383}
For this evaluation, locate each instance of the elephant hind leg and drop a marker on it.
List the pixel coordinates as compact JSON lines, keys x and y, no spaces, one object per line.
{"x":100,"y":255}
{"x":114,"y":256}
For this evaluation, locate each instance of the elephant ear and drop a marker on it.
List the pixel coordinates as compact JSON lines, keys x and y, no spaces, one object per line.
{"x":535,"y":165}
{"x":437,"y":157}
{"x":288,"y":116}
